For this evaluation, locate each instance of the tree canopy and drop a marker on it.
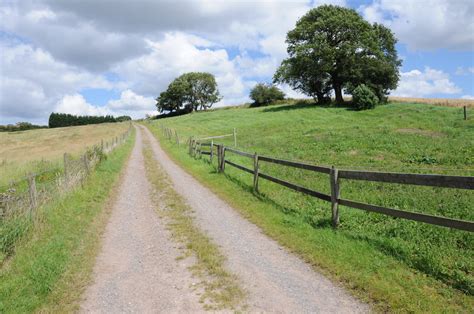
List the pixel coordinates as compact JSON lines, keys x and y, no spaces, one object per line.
{"x":334,"y":48}
{"x":190,"y":91}
{"x":57,"y":120}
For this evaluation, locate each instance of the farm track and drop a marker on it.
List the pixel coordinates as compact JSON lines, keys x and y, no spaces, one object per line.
{"x":276,"y":281}
{"x":137,"y":270}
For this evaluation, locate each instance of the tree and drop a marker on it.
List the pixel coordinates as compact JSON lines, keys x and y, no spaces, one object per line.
{"x":264,"y":94}
{"x":335,"y":48}
{"x":191,"y":91}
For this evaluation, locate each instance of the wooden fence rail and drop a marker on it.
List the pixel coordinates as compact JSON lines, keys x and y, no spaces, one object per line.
{"x":335,"y":178}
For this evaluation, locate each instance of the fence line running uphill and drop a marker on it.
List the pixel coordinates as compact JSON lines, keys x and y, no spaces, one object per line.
{"x":25,"y":196}
{"x":335,"y":177}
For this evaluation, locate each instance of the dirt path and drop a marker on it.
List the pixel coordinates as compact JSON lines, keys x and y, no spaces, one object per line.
{"x":137,"y":270}
{"x":277,"y":281}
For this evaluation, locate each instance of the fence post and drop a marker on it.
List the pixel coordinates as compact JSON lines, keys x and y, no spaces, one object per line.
{"x":222,"y":158}
{"x":86,"y":163}
{"x":465,"y":112}
{"x":32,"y":193}
{"x":212,"y":151}
{"x":334,"y":180}
{"x":235,"y":138}
{"x":255,"y":172}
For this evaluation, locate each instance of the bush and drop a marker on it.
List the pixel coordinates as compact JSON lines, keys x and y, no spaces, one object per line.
{"x":263,"y":94}
{"x":364,"y":98}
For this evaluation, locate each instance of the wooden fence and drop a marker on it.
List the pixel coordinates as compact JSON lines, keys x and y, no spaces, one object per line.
{"x":335,"y":177}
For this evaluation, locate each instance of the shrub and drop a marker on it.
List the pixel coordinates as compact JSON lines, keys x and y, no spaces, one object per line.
{"x":264,"y":94}
{"x":364,"y":98}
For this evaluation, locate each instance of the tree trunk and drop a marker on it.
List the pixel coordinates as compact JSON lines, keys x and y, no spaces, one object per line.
{"x":320,"y":97}
{"x":338,"y":92}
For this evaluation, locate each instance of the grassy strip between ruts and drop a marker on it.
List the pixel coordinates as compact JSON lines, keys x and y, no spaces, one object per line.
{"x":221,"y":288}
{"x":380,"y":279}
{"x":52,"y":264}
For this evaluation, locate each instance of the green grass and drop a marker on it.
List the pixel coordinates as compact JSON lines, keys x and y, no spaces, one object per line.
{"x":394,"y":263}
{"x":52,"y":263}
{"x":221,"y":288}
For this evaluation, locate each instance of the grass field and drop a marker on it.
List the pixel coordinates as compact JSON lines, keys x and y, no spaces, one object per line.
{"x":53,"y":261}
{"x":394,"y":263}
{"x":34,"y":150}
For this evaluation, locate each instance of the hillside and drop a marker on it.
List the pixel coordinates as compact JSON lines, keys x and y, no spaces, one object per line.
{"x":416,"y":138}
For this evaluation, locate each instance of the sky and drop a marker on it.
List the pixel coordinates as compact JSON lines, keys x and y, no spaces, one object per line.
{"x":101,"y":57}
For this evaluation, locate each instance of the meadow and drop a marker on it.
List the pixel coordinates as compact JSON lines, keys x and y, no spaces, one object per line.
{"x":394,"y":263}
{"x":36,"y":150}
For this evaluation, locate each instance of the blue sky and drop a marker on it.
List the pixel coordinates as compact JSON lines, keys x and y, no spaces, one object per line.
{"x":91,"y":57}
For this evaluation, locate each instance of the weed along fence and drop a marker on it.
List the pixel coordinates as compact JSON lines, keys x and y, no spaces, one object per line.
{"x":23,"y":197}
{"x":335,"y":178}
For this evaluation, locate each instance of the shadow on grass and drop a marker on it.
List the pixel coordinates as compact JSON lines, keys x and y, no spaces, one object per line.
{"x":303,"y":104}
{"x":422,"y":262}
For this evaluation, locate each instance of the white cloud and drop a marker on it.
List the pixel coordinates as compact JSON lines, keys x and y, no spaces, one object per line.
{"x":416,"y":83}
{"x":176,"y":54}
{"x":32,"y":82}
{"x":129,"y":103}
{"x":464,"y":70}
{"x":467,"y":97}
{"x":77,"y":105}
{"x":426,"y":24}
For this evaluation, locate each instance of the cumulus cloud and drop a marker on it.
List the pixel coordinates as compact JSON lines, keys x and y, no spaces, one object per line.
{"x":33,"y":81}
{"x":426,"y":24}
{"x":129,"y":104}
{"x":418,"y":83}
{"x":176,"y":54}
{"x":69,"y":39}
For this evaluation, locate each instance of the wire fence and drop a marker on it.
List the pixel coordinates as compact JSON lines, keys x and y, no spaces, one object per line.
{"x":23,"y":197}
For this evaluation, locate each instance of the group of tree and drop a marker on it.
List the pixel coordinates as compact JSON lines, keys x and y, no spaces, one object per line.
{"x":57,"y":120}
{"x":331,"y":49}
{"x":189,"y":92}
{"x":20,"y":126}
{"x":335,"y":49}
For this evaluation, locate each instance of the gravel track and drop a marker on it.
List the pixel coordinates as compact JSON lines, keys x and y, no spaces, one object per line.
{"x":277,"y":281}
{"x":137,"y":270}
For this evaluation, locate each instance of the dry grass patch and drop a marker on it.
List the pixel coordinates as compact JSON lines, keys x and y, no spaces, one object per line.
{"x":448,"y":102}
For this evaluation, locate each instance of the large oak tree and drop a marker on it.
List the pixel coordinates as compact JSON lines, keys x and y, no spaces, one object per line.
{"x":334,"y":48}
